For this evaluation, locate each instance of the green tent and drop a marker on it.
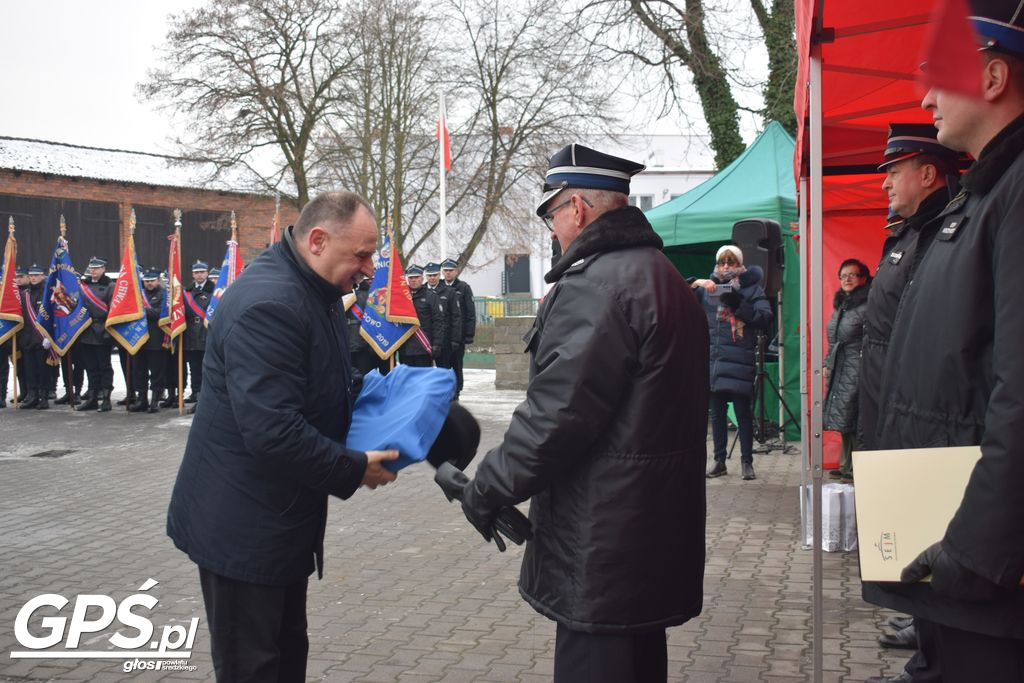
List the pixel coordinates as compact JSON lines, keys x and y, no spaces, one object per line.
{"x":758,"y":184}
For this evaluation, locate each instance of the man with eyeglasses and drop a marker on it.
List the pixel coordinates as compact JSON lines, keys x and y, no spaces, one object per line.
{"x":610,"y":441}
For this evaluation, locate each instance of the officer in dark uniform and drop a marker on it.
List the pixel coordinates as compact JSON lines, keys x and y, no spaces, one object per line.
{"x":149,"y":368}
{"x":464,"y":298}
{"x":364,"y":358}
{"x":93,"y":347}
{"x":197,"y":298}
{"x":428,"y":310}
{"x":452,"y":313}
{"x":954,"y":373}
{"x":30,"y":342}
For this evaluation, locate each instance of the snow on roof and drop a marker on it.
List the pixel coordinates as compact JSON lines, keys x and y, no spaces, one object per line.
{"x":58,"y":158}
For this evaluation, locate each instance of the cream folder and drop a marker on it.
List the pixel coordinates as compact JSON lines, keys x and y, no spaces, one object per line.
{"x":905,"y":500}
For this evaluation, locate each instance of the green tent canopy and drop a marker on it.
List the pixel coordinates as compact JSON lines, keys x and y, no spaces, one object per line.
{"x":757,"y":184}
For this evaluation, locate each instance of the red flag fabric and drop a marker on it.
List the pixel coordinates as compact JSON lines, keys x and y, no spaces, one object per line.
{"x":444,"y":138}
{"x":172,"y":320}
{"x":399,"y":306}
{"x":952,"y":60}
{"x":11,"y":319}
{"x":126,"y":321}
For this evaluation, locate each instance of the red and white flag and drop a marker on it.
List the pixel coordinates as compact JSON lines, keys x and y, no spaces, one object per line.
{"x":951,"y":57}
{"x":444,"y":138}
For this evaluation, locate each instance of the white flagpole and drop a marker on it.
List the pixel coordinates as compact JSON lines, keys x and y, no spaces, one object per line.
{"x":442,"y":140}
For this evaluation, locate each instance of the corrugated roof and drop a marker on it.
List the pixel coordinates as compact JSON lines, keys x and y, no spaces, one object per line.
{"x":58,"y":158}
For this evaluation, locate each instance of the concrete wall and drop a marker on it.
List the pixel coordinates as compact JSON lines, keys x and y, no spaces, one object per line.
{"x":511,"y":363}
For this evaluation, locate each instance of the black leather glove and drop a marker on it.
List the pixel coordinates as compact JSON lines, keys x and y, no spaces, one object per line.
{"x":730,"y":299}
{"x":491,"y":523}
{"x":949,"y":577}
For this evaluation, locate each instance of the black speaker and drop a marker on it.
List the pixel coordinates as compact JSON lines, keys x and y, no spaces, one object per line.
{"x":760,"y":239}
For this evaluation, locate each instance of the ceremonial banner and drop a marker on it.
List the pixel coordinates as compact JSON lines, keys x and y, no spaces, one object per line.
{"x":10,"y":306}
{"x":229,"y":271}
{"x":62,"y":315}
{"x":126,"y":322}
{"x":172,"y":311}
{"x":390,"y":315}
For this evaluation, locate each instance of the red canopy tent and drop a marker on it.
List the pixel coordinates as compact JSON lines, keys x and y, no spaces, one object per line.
{"x":858,"y":62}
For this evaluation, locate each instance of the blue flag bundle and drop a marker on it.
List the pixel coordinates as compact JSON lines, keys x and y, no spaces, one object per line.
{"x":62,"y":315}
{"x":403,"y":410}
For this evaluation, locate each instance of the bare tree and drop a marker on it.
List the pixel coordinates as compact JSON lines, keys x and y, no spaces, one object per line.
{"x":255,"y":79}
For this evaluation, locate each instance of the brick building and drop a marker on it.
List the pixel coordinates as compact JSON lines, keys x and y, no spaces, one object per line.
{"x":96,"y":189}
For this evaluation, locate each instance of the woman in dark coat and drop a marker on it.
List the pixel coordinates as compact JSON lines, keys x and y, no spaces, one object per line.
{"x":845,"y":333}
{"x":736,"y":308}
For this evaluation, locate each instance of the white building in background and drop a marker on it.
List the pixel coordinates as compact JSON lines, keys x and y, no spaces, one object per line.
{"x":675,"y":164}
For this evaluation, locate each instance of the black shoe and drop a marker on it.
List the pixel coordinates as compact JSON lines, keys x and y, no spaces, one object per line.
{"x":717,"y":470}
{"x":90,"y":402}
{"x":138,"y":406}
{"x":66,"y":398}
{"x":904,"y":639}
{"x":170,"y":402}
{"x":83,"y":395}
{"x":3,"y":401}
{"x":104,"y":406}
{"x":154,"y":402}
{"x":51,"y":395}
{"x":29,"y":400}
{"x":124,"y":401}
{"x":191,"y":410}
{"x":898,"y":678}
{"x":899,"y":623}
{"x":192,"y":398}
{"x":748,"y":471}
{"x":43,"y":403}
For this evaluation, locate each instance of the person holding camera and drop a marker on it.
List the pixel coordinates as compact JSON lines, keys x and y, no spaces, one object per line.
{"x":737,"y":308}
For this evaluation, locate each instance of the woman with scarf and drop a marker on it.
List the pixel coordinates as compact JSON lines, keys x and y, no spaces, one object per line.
{"x":737,"y":309}
{"x":845,"y":333}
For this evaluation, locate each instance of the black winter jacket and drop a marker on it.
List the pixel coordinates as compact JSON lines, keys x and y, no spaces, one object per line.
{"x":195,"y":324}
{"x":610,"y":441}
{"x":907,"y":242}
{"x":452,"y":309}
{"x":955,"y":377}
{"x":31,"y":296}
{"x":96,"y":334}
{"x":428,"y":310}
{"x":468,"y":308}
{"x":267,"y":442}
{"x":155,"y":298}
{"x":732,"y":356}
{"x":845,"y":331}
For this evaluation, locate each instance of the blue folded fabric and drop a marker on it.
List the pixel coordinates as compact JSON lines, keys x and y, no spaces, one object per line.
{"x":403,"y":410}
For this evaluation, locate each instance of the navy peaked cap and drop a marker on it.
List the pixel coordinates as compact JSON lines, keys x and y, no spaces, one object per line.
{"x":908,"y":140}
{"x":414,"y":270}
{"x":97,"y":262}
{"x":21,"y":270}
{"x":999,"y":24}
{"x":449,"y":264}
{"x":151,"y":274}
{"x":200,"y":265}
{"x":36,"y":269}
{"x":576,"y":166}
{"x":432,"y":268}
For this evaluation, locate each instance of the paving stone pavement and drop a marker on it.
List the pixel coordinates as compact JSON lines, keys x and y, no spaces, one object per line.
{"x":410,"y":591}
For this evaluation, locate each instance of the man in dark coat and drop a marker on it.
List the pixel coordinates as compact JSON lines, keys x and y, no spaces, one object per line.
{"x":93,"y":346}
{"x":737,"y":311}
{"x":30,"y":342}
{"x":954,"y":373}
{"x":149,"y":365}
{"x":451,"y":310}
{"x":428,"y":310}
{"x":464,"y":297}
{"x":617,"y":487}
{"x":920,"y":179}
{"x":267,"y":444}
{"x":197,"y":298}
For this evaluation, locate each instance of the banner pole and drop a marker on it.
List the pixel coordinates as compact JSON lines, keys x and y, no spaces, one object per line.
{"x":70,"y":373}
{"x":181,"y":389}
{"x":14,"y":362}
{"x":128,"y":394}
{"x":442,"y":125}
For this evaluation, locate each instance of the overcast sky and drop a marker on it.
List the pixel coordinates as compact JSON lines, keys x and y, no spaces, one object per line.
{"x":70,"y":69}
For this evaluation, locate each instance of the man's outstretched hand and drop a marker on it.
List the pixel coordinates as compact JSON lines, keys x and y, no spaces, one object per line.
{"x":949,"y":577}
{"x":376,"y":474}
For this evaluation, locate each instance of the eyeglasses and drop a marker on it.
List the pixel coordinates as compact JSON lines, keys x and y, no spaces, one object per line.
{"x":548,"y":216}
{"x":850,"y":276}
{"x":728,"y":262}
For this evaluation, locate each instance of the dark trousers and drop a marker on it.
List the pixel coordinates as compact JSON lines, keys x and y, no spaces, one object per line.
{"x":366,"y":360}
{"x":719,"y":400}
{"x":601,"y":658}
{"x":194,"y":359}
{"x":458,"y":356}
{"x":149,"y":367}
{"x":258,"y":633}
{"x":967,"y":657}
{"x":423,"y":361}
{"x":5,"y":368}
{"x":923,"y":667}
{"x":37,"y":372}
{"x":94,"y":359}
